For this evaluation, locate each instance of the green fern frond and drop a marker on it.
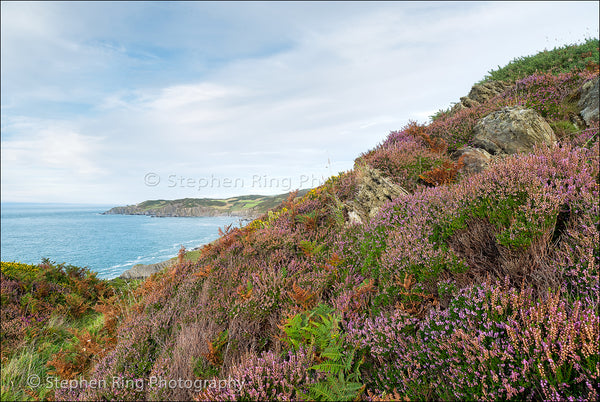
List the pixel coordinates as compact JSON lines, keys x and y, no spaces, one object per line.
{"x":335,"y":390}
{"x":333,"y":368}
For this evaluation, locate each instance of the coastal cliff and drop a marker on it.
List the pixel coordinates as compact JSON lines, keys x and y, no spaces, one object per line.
{"x":247,"y":206}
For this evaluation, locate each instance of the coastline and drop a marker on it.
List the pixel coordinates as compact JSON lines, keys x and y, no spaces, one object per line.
{"x":143,"y":271}
{"x":249,"y":207}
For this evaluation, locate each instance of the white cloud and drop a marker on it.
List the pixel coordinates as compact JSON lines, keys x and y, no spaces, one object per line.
{"x":47,"y":160}
{"x":203,"y":89}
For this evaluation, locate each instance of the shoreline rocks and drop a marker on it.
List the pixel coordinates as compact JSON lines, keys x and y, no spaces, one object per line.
{"x":141,"y":271}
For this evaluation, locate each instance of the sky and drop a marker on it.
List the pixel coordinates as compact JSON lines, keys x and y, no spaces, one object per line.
{"x":120,"y":102}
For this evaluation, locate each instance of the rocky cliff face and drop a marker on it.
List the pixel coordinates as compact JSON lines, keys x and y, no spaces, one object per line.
{"x":374,"y":190}
{"x":480,"y":93}
{"x":175,"y":211}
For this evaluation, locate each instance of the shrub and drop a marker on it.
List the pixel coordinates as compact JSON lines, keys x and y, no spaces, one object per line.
{"x":492,"y":342}
{"x":317,"y":331}
{"x":548,"y":94}
{"x":405,"y":156}
{"x":568,"y":58}
{"x":268,"y":377}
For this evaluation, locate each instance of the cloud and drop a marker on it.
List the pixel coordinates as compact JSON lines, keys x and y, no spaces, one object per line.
{"x":46,"y":161}
{"x":51,"y":145}
{"x":202,"y":90}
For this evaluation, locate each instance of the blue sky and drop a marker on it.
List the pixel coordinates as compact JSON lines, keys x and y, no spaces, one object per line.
{"x":119,"y":102}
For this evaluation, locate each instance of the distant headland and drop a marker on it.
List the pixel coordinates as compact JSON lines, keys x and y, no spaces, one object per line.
{"x":246,"y":206}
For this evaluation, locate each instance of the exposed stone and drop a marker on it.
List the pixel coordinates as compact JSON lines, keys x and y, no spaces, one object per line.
{"x":467,"y":102}
{"x":483,"y":92}
{"x":373,"y":190}
{"x":512,"y":130}
{"x":480,"y":93}
{"x":588,"y":103}
{"x":141,"y":271}
{"x":458,"y":107}
{"x":474,"y":160}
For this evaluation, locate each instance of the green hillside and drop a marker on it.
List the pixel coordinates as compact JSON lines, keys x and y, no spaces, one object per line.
{"x":252,"y":205}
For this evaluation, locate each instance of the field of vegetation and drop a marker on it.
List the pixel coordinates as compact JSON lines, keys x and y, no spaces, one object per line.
{"x":57,"y":322}
{"x":472,"y":286}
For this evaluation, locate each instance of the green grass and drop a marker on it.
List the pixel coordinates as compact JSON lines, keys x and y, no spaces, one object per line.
{"x":28,"y":363}
{"x":574,"y":57}
{"x":25,"y":356}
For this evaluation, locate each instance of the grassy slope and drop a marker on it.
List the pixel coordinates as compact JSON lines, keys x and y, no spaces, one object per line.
{"x":447,"y":294}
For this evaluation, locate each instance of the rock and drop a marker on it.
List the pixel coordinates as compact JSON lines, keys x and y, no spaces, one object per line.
{"x":481,"y":93}
{"x":474,"y":160}
{"x":588,"y":102}
{"x":466,"y":102}
{"x":373,"y":190}
{"x":141,"y":271}
{"x":457,"y":107}
{"x":512,"y":130}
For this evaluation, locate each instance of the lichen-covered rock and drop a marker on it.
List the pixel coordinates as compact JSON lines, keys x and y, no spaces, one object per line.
{"x":588,"y":103}
{"x":373,"y":190}
{"x":512,"y":130}
{"x":480,"y":93}
{"x":474,"y":160}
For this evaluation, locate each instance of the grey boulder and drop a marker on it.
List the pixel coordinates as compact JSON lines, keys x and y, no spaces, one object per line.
{"x":512,"y":130}
{"x":588,"y":102}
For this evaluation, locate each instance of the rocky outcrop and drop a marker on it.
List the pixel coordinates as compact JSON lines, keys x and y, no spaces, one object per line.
{"x":474,"y":160}
{"x":512,"y":130}
{"x":373,"y":190}
{"x":141,"y":271}
{"x":480,"y":93}
{"x":588,"y":101}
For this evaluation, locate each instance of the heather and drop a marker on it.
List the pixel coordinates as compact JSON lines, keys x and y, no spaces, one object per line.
{"x":493,"y":341}
{"x":552,"y":96}
{"x":469,"y":286}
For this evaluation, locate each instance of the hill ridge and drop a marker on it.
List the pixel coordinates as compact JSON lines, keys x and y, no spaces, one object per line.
{"x":248,"y":206}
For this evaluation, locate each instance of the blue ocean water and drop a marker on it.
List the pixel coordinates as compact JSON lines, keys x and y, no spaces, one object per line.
{"x":108,"y":244}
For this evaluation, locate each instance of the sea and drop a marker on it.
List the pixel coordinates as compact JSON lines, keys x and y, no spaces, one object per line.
{"x":107,"y":244}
